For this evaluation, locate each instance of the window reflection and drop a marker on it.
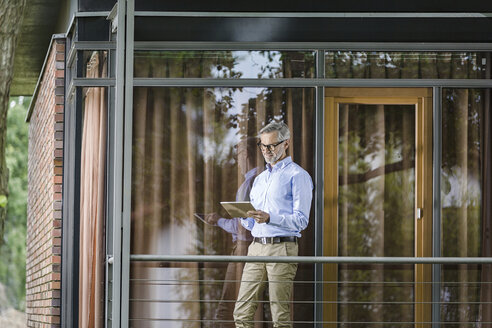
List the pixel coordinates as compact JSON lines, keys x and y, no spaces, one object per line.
{"x":224,"y":64}
{"x":92,"y":63}
{"x":376,"y":163}
{"x":193,"y":148}
{"x":407,"y":65}
{"x":466,"y":289}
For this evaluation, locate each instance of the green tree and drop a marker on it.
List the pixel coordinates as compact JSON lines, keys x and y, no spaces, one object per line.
{"x":13,"y":250}
{"x":11,"y":15}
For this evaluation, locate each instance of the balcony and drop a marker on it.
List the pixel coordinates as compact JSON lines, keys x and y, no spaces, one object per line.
{"x":195,"y":291}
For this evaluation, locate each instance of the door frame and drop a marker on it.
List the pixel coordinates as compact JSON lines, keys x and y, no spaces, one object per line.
{"x":422,"y":98}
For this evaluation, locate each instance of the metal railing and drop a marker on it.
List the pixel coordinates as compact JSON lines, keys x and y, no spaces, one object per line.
{"x":361,"y":296}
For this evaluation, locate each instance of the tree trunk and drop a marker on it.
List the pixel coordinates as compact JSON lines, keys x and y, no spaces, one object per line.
{"x":11,"y":14}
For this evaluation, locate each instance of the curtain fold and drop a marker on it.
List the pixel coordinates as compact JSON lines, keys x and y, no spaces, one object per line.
{"x":92,"y":200}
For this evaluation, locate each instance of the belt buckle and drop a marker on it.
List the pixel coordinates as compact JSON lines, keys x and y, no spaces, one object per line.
{"x":263,"y":240}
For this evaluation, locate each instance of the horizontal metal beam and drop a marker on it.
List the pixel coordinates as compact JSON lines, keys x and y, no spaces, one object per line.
{"x":311,"y":259}
{"x":305,"y":14}
{"x":99,"y":82}
{"x":94,"y":45}
{"x":329,"y":46}
{"x":305,"y":83}
{"x":92,"y":14}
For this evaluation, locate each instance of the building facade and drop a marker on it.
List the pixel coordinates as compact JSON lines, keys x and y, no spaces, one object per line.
{"x":389,"y":110}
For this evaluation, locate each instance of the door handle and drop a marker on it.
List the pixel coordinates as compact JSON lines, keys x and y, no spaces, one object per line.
{"x":420,"y":213}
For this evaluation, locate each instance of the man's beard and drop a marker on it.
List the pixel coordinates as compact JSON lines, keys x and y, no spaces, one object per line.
{"x":273,"y":159}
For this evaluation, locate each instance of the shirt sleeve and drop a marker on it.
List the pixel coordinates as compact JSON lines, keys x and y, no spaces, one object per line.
{"x":248,"y":223}
{"x":229,"y":225}
{"x":302,"y":195}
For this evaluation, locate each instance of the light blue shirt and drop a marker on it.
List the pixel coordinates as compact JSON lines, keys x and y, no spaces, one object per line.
{"x":285,"y":192}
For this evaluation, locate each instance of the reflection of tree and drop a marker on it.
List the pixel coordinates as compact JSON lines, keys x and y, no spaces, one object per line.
{"x":376,"y":209}
{"x":462,"y":201}
{"x":184,"y":159}
{"x":267,"y":105}
{"x":407,"y":65}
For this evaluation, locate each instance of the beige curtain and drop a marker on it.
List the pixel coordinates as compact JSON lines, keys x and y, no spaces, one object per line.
{"x":92,"y":200}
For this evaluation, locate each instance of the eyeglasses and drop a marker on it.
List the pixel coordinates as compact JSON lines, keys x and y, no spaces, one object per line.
{"x":270,"y":147}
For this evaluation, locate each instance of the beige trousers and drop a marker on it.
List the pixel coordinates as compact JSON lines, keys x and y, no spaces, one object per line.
{"x":280,"y":278}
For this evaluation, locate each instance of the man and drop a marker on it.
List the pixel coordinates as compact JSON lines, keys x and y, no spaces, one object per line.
{"x":282,"y":197}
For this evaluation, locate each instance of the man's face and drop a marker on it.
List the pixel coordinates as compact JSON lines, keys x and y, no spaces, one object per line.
{"x":273,"y":156}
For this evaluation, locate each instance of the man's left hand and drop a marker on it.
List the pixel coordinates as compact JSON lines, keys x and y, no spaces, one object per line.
{"x":259,"y":216}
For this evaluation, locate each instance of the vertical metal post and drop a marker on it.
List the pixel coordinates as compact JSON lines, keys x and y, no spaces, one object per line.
{"x":127,"y":169}
{"x":110,"y":209}
{"x":118,"y":164}
{"x":436,"y":211}
{"x":318,"y":192}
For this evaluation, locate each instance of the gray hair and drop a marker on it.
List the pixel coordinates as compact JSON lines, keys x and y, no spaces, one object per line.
{"x":280,"y":127}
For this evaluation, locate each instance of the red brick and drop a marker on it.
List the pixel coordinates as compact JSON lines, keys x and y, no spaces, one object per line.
{"x":59,"y":118}
{"x":60,"y":73}
{"x":43,"y":250}
{"x":60,"y":46}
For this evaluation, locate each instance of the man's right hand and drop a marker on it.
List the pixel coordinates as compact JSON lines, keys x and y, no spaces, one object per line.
{"x":212,"y":218}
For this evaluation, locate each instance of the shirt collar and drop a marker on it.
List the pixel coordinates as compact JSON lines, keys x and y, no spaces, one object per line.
{"x":280,"y":165}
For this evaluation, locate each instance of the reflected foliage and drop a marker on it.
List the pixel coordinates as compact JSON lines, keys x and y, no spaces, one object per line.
{"x":462,"y":204}
{"x":226,"y":64}
{"x":186,"y":159}
{"x":406,"y":65}
{"x":376,"y":197}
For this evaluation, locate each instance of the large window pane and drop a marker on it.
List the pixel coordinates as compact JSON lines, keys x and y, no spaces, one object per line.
{"x":407,"y":65}
{"x":466,"y":218}
{"x":225,"y":64}
{"x":192,"y":148}
{"x":376,"y":163}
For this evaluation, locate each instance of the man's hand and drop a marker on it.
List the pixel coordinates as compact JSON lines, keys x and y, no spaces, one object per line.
{"x":212,"y":218}
{"x":259,"y":216}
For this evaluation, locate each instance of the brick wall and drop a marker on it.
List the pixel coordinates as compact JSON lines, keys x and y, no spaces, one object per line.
{"x":45,"y":159}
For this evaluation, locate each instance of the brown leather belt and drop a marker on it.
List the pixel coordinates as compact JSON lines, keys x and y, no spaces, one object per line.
{"x":274,"y":240}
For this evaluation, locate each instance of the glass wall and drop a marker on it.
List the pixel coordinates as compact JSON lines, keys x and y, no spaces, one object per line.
{"x":466,"y":289}
{"x":192,"y":148}
{"x":407,"y":65}
{"x":376,"y":165}
{"x":225,"y":64}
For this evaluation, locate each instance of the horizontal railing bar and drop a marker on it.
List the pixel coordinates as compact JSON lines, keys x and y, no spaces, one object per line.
{"x":322,"y":322}
{"x":377,"y":283}
{"x":303,"y":302}
{"x":310,"y":259}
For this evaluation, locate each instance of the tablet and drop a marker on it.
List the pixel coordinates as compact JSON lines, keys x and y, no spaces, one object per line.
{"x":237,"y":209}
{"x":201,"y":217}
